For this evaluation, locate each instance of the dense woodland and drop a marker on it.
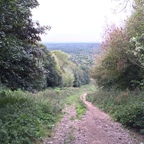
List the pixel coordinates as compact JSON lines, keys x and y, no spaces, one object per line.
{"x":36,"y":79}
{"x":82,"y":55}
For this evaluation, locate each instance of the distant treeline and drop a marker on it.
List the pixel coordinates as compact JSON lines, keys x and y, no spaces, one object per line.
{"x":72,"y":47}
{"x":82,"y":55}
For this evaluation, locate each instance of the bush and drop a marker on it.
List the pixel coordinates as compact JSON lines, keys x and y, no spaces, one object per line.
{"x":124,"y":106}
{"x":132,"y":116}
{"x":24,"y":118}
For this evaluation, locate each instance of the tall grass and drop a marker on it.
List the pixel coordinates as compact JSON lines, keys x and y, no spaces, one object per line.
{"x":26,"y":118}
{"x":124,"y":106}
{"x":75,"y":98}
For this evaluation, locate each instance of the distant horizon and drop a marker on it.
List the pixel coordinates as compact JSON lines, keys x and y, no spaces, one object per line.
{"x":71,"y":42}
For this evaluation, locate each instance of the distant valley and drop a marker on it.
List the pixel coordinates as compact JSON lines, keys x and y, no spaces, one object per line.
{"x":82,"y":54}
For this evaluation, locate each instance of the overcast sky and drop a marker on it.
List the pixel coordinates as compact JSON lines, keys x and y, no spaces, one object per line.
{"x":76,"y":20}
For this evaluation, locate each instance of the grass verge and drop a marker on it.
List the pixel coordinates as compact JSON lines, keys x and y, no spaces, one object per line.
{"x":124,"y":106}
{"x":27,"y":118}
{"x":80,"y":109}
{"x":75,"y":98}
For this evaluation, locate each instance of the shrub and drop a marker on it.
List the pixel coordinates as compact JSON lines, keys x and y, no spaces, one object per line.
{"x":24,"y":118}
{"x":124,"y":106}
{"x":132,"y":116}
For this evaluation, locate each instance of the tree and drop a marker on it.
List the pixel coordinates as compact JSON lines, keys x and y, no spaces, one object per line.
{"x":77,"y":82}
{"x":122,"y":62}
{"x":18,"y":35}
{"x":66,"y":67}
{"x":117,"y":67}
{"x":135,"y":23}
{"x":61,"y":57}
{"x":52,"y":71}
{"x":16,"y":20}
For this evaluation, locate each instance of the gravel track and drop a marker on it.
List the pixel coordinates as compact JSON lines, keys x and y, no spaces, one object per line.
{"x":96,"y":127}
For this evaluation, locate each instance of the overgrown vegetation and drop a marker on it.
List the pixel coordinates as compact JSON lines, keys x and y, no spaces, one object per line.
{"x":75,"y":98}
{"x":18,"y":36}
{"x":119,"y":70}
{"x":27,"y":65}
{"x":120,"y":65}
{"x":80,"y":108}
{"x":124,"y":106}
{"x":27,"y":118}
{"x":24,"y":62}
{"x":80,"y":57}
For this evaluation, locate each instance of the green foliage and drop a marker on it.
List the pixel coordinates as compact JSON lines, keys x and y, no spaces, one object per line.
{"x":18,"y":35}
{"x":81,"y":76}
{"x":23,"y":119}
{"x":81,"y":54}
{"x":77,"y":92}
{"x":135,"y":23}
{"x":132,"y":116}
{"x":80,"y":109}
{"x":16,"y":20}
{"x":52,"y":72}
{"x":137,"y":43}
{"x":121,"y":63}
{"x":125,"y":106}
{"x":77,"y":82}
{"x":74,"y":98}
{"x":65,"y":67}
{"x":18,"y":66}
{"x":117,"y":66}
{"x":61,"y":57}
{"x":26,"y":118}
{"x":68,"y":79}
{"x":34,"y":72}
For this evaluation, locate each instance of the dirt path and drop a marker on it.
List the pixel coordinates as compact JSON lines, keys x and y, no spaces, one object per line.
{"x":96,"y":127}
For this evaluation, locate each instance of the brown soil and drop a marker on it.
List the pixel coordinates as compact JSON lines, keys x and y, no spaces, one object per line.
{"x":96,"y":127}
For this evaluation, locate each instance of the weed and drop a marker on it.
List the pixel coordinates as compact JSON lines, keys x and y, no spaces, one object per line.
{"x":124,"y":106}
{"x":27,"y":118}
{"x":80,"y":109}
